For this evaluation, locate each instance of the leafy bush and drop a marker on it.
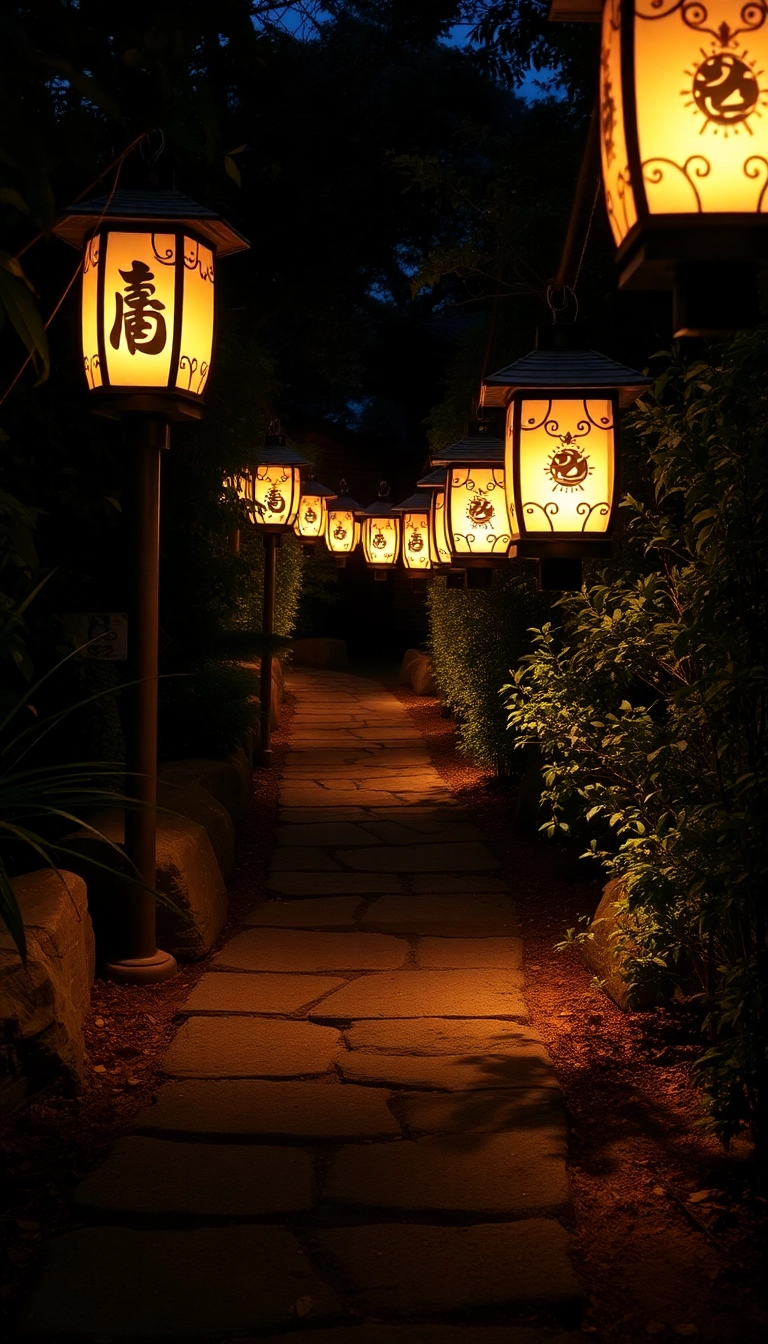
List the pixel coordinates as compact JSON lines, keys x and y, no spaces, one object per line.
{"x":207,"y":710}
{"x":650,"y":708}
{"x":476,"y":636}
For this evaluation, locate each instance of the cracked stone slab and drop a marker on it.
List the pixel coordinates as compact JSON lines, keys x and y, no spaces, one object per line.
{"x":426,"y":994}
{"x":331,"y":834}
{"x":231,"y":992}
{"x":448,"y":1073}
{"x":121,"y":1284}
{"x":406,"y":832}
{"x":462,"y":857}
{"x":461,"y":916}
{"x":246,"y":1047}
{"x":297,"y":858}
{"x":246,"y":1109}
{"x":410,"y":1268}
{"x":207,"y":1180}
{"x":312,"y":815}
{"x":334,"y":884}
{"x":483,"y":1112}
{"x":302,"y":950}
{"x":445,"y":884}
{"x":442,"y":1036}
{"x":469,"y":953}
{"x":514,"y":1175}
{"x":315,"y":913}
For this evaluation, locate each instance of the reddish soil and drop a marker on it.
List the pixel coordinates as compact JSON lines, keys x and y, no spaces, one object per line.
{"x":671,"y":1242}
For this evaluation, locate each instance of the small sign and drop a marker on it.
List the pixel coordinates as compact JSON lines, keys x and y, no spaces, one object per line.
{"x":98,"y":634}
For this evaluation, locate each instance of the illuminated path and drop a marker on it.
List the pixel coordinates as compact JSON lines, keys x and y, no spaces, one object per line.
{"x":359,"y":1130}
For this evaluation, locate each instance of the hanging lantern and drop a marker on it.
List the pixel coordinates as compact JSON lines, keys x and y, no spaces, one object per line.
{"x":312,"y":515}
{"x":439,"y":545}
{"x":381,"y":535}
{"x":342,"y":532}
{"x":414,"y":512}
{"x":561,"y":452}
{"x":476,"y":520}
{"x":147,"y":317}
{"x":270,"y":488}
{"x":684,"y":123}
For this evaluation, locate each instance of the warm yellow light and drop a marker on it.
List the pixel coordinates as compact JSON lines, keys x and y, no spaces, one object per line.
{"x":381,"y":540}
{"x":699,"y":110}
{"x":416,"y":539}
{"x":477,"y":511}
{"x":311,"y":518}
{"x":147,"y":312}
{"x":342,"y":532}
{"x":439,"y":545}
{"x":271,"y":493}
{"x":560,"y":456}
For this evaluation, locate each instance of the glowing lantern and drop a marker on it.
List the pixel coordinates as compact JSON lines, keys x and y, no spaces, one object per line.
{"x":312,"y":515}
{"x":381,"y":535}
{"x":684,"y":123}
{"x":476,"y":518}
{"x":414,"y":512}
{"x":270,"y":489}
{"x":439,"y":545}
{"x":148,"y":298}
{"x":561,"y":454}
{"x":342,"y":532}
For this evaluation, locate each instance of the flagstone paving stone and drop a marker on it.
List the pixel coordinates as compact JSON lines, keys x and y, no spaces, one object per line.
{"x":325,"y":833}
{"x":314,"y":913}
{"x":297,"y":950}
{"x":444,"y":1036}
{"x":447,"y":884}
{"x":426,"y":994}
{"x":430,"y":1334}
{"x":117,"y":1283}
{"x":408,"y":832}
{"x":477,"y":953}
{"x":515,"y":1175}
{"x":478,"y":916}
{"x":233,"y":992}
{"x":298,"y":858}
{"x":447,"y":1073}
{"x":334,"y":884}
{"x":494,"y":1111}
{"x":467,"y":857}
{"x":400,"y":1270}
{"x":219,"y":1180}
{"x":248,"y":1047}
{"x":247,"y":1109}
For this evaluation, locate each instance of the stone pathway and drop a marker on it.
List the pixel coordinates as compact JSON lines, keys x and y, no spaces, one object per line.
{"x":359,"y":1129}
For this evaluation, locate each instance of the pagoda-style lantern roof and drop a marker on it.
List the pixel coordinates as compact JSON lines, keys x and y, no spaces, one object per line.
{"x":477,"y":446}
{"x":435,"y":480}
{"x":130,"y":206}
{"x":559,"y":364}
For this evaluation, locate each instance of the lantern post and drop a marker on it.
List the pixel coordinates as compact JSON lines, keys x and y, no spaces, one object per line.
{"x":147,"y":327}
{"x":270,"y":491}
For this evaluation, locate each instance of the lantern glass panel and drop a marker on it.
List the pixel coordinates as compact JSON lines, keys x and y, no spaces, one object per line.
{"x":139,"y":311}
{"x":197,"y":318}
{"x":416,"y":540}
{"x":619,"y":195}
{"x":381,"y":540}
{"x":701,"y":93}
{"x":311,"y":518}
{"x":90,"y":313}
{"x":440,"y":548}
{"x":477,"y":511}
{"x":343,"y":531}
{"x":564,"y":464}
{"x":271,"y":495}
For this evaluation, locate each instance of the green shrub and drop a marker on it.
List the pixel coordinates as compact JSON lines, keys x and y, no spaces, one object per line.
{"x":250,"y":582}
{"x":650,"y":708}
{"x":476,"y":636}
{"x":206,"y":710}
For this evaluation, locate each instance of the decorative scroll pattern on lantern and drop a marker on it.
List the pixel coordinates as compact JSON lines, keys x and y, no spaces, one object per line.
{"x":381,"y":540}
{"x":565,"y":465}
{"x":271,"y":495}
{"x":416,"y":540}
{"x":439,"y":545}
{"x":311,"y":518}
{"x":477,"y":511}
{"x":197,"y":321}
{"x":342,"y":532}
{"x":619,"y":195}
{"x":90,"y":313}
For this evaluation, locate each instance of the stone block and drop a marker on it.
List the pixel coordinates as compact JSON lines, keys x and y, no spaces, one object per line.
{"x":410,"y":1269}
{"x":495,"y":1111}
{"x":161,"y":1179}
{"x":448,"y":1073}
{"x":319,"y":652}
{"x":334,"y":884}
{"x":248,"y":1047}
{"x":417,"y":671}
{"x":476,"y":1037}
{"x":229,"y":780}
{"x":187,"y":874}
{"x":470,"y":953}
{"x":301,"y":858}
{"x":246,"y":1109}
{"x":199,"y":805}
{"x":446,"y":857}
{"x":332,"y":833}
{"x":514,"y":1175}
{"x":118,"y":1283}
{"x":454,"y":916}
{"x":300,"y":950}
{"x":316,"y":913}
{"x":42,"y":1007}
{"x":426,"y":994}
{"x":230,"y":992}
{"x":603,"y":958}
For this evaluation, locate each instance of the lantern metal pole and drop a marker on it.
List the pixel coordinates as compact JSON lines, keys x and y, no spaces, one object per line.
{"x":271,"y":541}
{"x":141,"y":962}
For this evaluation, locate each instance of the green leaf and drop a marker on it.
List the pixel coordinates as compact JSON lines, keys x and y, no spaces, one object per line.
{"x":17,"y":299}
{"x":232,"y":170}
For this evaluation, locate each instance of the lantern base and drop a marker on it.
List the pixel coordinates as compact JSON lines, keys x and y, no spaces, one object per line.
{"x":114,"y":403}
{"x":141,"y":970}
{"x":559,"y":575}
{"x":714,"y":298}
{"x":570,"y":548}
{"x":380,"y":576}
{"x":341,"y":561}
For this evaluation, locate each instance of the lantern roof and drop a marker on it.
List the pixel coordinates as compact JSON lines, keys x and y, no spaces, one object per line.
{"x":413,"y":504}
{"x":277,"y":454}
{"x":345,"y":503}
{"x":434,"y":481}
{"x":561,"y":362}
{"x":315,"y":490}
{"x":478,"y":445}
{"x":380,"y":509}
{"x":150,"y":206}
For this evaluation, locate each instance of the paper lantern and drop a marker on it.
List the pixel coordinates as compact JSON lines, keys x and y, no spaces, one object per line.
{"x":476,"y":519}
{"x":312,"y":515}
{"x":381,"y":527}
{"x":439,"y":545}
{"x":270,"y":488}
{"x":414,"y":512}
{"x":342,"y":532}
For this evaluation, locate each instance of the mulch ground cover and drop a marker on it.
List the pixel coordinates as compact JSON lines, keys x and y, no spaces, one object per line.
{"x":670,"y":1237}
